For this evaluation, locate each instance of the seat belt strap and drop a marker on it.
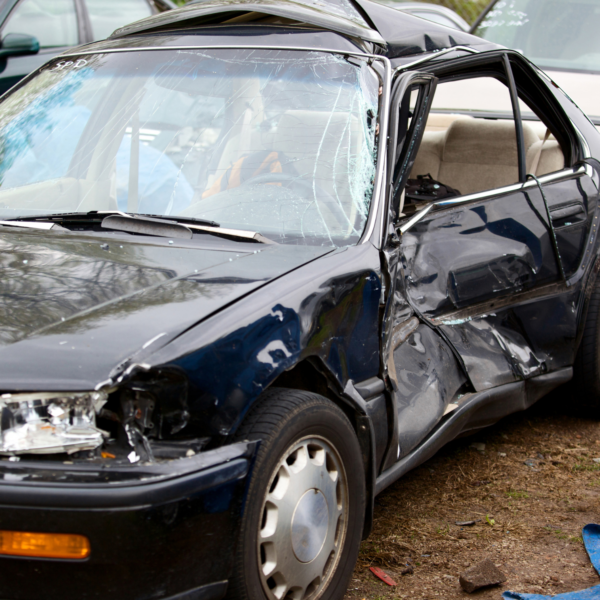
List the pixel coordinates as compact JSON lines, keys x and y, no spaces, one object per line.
{"x":536,"y":159}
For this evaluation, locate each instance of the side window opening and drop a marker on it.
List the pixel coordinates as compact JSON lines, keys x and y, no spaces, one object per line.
{"x":470,"y":142}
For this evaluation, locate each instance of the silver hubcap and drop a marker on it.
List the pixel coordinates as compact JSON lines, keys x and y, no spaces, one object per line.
{"x":304,"y":521}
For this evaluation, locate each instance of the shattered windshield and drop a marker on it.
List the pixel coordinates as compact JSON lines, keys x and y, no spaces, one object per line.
{"x":278,"y":142}
{"x":554,"y":34}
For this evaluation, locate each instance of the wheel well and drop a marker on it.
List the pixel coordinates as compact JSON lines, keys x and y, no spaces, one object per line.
{"x":307,"y":376}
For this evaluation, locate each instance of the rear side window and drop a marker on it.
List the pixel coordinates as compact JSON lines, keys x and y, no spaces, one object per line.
{"x":108,"y":15}
{"x":52,"y":22}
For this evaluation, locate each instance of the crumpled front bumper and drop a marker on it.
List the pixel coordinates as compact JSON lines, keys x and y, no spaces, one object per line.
{"x":165,"y":531}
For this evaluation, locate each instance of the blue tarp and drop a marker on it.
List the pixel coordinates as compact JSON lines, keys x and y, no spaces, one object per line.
{"x":591,"y":539}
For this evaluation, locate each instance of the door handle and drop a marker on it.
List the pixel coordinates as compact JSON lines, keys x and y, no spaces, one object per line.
{"x":567,"y":211}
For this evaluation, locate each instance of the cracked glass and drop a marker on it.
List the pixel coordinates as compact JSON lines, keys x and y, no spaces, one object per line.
{"x":278,"y":142}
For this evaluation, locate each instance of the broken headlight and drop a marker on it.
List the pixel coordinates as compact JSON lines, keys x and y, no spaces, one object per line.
{"x":50,"y":423}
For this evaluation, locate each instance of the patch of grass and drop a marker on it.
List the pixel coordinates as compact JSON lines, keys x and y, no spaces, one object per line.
{"x":580,"y":467}
{"x":576,"y":538}
{"x":561,"y":535}
{"x":517,"y":495}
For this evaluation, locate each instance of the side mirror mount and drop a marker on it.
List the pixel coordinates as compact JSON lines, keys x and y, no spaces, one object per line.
{"x":19,"y":44}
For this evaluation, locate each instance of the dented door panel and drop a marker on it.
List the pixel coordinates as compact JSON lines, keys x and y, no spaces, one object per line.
{"x":550,"y":325}
{"x":463,"y":261}
{"x":425,"y":377}
{"x":523,"y":340}
{"x":494,"y":350}
{"x":494,"y":289}
{"x":469,"y":254}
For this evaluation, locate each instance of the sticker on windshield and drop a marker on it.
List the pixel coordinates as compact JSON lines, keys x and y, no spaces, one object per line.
{"x":69,"y":64}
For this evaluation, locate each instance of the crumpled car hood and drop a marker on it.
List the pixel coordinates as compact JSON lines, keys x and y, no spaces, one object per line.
{"x":75,"y":309}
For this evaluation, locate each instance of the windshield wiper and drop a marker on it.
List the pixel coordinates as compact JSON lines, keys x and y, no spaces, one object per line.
{"x":147,"y":226}
{"x":142,"y":224}
{"x":101,"y":214}
{"x":180,"y":219}
{"x":32,"y":225}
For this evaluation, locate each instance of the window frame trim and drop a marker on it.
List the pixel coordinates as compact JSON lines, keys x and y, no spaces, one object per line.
{"x":564,"y":174}
{"x":514,"y":99}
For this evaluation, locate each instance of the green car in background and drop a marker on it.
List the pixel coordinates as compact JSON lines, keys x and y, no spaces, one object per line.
{"x":33,"y":31}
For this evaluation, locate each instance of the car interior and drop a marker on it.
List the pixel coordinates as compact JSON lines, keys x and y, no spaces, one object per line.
{"x":472,"y":150}
{"x":477,"y":154}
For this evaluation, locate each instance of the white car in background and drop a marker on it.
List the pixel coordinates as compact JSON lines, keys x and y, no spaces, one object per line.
{"x":559,"y":36}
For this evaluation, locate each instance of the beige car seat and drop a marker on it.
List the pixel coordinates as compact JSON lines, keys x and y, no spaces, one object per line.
{"x":473,"y":155}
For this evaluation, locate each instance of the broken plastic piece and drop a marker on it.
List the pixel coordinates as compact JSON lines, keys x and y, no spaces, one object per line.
{"x":50,"y":423}
{"x":133,"y":457}
{"x":381,"y":574}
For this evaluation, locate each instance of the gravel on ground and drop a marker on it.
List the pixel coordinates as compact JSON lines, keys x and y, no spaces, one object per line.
{"x":530,"y":483}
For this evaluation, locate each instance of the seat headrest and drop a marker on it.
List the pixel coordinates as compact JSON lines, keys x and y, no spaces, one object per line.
{"x":484,"y":142}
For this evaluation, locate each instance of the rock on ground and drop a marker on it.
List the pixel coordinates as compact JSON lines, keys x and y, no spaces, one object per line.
{"x":481,"y":575}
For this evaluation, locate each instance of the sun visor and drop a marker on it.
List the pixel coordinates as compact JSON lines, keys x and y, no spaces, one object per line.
{"x":335,"y":15}
{"x":406,"y":34}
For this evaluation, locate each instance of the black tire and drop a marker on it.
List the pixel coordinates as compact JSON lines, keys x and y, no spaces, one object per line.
{"x":287,"y":419}
{"x":586,"y":370}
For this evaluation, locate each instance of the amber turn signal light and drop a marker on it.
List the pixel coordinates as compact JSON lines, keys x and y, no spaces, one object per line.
{"x":44,"y":545}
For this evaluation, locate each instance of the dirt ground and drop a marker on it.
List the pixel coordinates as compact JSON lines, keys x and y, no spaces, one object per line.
{"x":531,"y":489}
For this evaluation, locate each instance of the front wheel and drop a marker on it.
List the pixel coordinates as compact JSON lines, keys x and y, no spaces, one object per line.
{"x":306,"y":501}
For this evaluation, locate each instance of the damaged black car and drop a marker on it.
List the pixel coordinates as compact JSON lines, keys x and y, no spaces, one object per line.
{"x":258,"y":260}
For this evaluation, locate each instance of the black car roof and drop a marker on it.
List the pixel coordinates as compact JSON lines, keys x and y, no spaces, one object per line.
{"x":393,"y":33}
